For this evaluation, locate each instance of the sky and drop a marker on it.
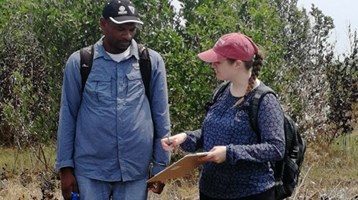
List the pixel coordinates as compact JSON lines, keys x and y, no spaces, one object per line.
{"x":343,"y":13}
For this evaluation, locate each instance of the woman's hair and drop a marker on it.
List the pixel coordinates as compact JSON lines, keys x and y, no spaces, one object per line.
{"x":255,"y":64}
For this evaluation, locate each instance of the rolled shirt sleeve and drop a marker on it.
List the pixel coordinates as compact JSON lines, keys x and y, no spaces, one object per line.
{"x":70,"y":101}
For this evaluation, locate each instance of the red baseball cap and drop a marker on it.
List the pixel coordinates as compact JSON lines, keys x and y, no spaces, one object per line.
{"x":233,"y":45}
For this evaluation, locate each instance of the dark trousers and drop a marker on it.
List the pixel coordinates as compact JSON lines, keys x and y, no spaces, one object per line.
{"x":267,"y":195}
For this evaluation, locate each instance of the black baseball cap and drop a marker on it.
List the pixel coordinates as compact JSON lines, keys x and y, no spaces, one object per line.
{"x":121,"y":11}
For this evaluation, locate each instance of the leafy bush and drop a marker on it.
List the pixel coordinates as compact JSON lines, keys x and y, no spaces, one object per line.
{"x":38,"y":36}
{"x":24,"y":91}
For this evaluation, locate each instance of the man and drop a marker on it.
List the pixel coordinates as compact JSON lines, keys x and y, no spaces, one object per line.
{"x":110,"y":133}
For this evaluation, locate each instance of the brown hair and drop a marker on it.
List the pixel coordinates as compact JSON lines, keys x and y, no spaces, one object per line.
{"x":255,"y":64}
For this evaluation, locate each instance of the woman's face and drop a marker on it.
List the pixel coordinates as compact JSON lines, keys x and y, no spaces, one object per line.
{"x":225,"y":70}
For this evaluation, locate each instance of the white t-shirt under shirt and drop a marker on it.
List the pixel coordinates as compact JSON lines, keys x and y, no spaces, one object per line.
{"x":121,"y":56}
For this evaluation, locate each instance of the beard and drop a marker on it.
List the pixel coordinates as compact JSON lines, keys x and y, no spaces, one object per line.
{"x":121,"y":45}
{"x":116,"y":47}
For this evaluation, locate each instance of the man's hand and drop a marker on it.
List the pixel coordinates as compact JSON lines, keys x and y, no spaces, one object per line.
{"x":156,"y":187}
{"x":68,"y":183}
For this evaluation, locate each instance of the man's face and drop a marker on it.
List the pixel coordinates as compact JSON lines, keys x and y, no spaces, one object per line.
{"x":118,"y":37}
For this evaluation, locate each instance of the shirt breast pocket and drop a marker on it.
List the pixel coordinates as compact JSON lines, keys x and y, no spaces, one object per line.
{"x":135,"y":86}
{"x":101,"y":89}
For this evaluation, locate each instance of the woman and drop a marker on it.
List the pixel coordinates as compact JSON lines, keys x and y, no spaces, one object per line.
{"x":238,"y":163}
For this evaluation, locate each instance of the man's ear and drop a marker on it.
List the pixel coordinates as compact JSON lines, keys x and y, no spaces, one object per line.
{"x":103,"y":23}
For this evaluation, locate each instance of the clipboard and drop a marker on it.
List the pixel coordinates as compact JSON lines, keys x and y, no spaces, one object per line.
{"x":180,"y":168}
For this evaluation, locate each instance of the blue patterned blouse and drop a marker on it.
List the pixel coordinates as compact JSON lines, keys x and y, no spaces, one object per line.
{"x":246,"y":170}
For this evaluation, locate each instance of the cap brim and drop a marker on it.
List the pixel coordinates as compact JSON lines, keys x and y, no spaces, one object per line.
{"x":210,"y":56}
{"x":125,"y":19}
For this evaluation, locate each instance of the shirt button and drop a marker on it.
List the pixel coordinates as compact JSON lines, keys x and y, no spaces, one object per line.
{"x":121,"y":87}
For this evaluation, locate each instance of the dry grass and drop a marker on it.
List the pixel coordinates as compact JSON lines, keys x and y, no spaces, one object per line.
{"x":28,"y":174}
{"x":329,"y":173}
{"x":180,"y":189}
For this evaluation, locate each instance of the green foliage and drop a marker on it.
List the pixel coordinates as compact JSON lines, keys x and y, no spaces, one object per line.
{"x":38,"y":36}
{"x":204,"y":22}
{"x":66,"y":26}
{"x":343,"y":79}
{"x":23,"y":78}
{"x":62,"y":27}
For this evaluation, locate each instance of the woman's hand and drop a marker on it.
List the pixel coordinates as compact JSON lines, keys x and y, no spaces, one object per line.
{"x":170,"y":143}
{"x":217,"y":154}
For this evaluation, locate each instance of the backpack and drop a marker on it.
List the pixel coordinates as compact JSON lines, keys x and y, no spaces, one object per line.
{"x":86,"y":60}
{"x":287,"y":170}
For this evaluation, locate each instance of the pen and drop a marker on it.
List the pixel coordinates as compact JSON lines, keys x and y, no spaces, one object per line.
{"x":168,"y":142}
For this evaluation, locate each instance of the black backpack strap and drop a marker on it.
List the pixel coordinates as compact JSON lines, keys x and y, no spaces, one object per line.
{"x":145,"y":67}
{"x":216,"y":94}
{"x":86,"y":60}
{"x":260,"y":92}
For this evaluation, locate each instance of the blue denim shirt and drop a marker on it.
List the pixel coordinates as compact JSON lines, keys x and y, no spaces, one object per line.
{"x":246,"y":170}
{"x":108,"y":134}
